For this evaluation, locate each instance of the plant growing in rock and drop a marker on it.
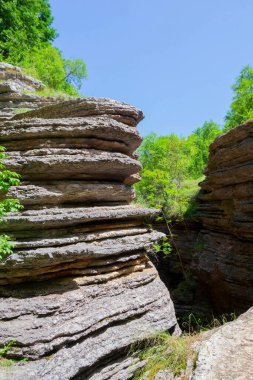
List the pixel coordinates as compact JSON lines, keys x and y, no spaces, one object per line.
{"x":165,"y":352}
{"x":7,"y":179}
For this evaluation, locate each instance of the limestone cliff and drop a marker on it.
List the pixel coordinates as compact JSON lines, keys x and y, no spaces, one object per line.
{"x":78,"y":289}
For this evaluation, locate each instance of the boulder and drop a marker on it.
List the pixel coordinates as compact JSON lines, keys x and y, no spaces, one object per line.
{"x":226,"y":352}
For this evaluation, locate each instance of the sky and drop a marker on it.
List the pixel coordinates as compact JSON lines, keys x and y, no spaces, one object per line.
{"x":176,"y":60}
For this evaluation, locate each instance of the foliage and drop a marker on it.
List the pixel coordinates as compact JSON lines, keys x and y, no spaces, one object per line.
{"x":25,"y":24}
{"x":200,"y":141}
{"x":163,"y":351}
{"x":163,"y":246}
{"x":241,"y":107}
{"x":47,"y":64}
{"x":26,"y":34}
{"x":7,"y":179}
{"x":192,"y":323}
{"x":3,"y":361}
{"x":172,"y":168}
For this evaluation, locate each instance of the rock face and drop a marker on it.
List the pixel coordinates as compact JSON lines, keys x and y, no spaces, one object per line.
{"x":227,"y":352}
{"x":225,"y":258}
{"x":78,"y":289}
{"x":15,"y":92}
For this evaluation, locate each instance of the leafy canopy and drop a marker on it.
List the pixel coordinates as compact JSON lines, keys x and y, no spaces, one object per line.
{"x":172,"y":168}
{"x":26,"y":36}
{"x":241,"y":108}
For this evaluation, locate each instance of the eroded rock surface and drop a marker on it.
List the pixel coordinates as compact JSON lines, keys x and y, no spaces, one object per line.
{"x":224,"y":260}
{"x":78,"y":290}
{"x":227,"y":352}
{"x":16,"y":92}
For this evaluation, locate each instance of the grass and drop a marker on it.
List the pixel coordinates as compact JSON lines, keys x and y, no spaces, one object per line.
{"x":164,"y":351}
{"x":50,"y":92}
{"x":4,"y":362}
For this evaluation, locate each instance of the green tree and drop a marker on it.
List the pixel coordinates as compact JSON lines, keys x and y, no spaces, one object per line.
{"x":241,"y":107}
{"x":165,"y":165}
{"x":200,"y":141}
{"x":24,"y":25}
{"x":26,"y":34}
{"x":7,"y":179}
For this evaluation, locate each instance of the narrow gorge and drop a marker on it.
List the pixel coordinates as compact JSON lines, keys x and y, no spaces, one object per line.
{"x":79,"y":290}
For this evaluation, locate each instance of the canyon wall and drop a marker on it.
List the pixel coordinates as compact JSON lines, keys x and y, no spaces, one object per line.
{"x":78,"y":289}
{"x":224,"y":261}
{"x":215,"y":245}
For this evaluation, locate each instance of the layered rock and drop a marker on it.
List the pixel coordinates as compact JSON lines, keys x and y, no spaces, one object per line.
{"x":224,"y":259}
{"x":16,"y":92}
{"x":78,"y":289}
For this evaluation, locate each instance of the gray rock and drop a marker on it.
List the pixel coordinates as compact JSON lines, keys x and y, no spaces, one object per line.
{"x":78,"y":289}
{"x":88,"y":107}
{"x":227,"y":352}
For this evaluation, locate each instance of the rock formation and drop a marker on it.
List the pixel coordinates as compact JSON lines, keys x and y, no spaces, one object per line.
{"x":226,"y":352}
{"x":17,"y":92}
{"x":224,"y":259}
{"x":216,"y":244}
{"x":78,"y":290}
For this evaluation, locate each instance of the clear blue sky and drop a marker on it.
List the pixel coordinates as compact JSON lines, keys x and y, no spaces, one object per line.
{"x":176,"y":60}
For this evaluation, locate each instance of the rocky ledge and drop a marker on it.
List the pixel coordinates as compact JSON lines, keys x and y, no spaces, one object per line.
{"x":78,"y":289}
{"x":18,"y":92}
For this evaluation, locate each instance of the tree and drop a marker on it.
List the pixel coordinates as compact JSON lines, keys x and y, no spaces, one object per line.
{"x":165,"y":164}
{"x":241,"y":107}
{"x":26,"y":34}
{"x":200,"y":141}
{"x":7,"y":179}
{"x":172,"y":168}
{"x":24,"y":25}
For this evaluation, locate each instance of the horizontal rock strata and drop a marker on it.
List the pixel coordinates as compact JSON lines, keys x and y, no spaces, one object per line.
{"x":225,"y":258}
{"x":78,"y":289}
{"x":17,"y":92}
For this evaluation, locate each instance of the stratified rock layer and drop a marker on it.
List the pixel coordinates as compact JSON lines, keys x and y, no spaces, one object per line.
{"x":16,"y":92}
{"x":78,"y":290}
{"x":225,"y":257}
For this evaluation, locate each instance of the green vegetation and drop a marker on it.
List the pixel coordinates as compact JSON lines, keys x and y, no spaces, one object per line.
{"x":164,"y":351}
{"x":241,"y":108}
{"x":172,"y":168}
{"x":3,"y":361}
{"x":26,"y":36}
{"x":7,"y":179}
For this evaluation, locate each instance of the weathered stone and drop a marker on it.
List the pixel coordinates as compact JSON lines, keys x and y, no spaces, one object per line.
{"x":78,"y":289}
{"x":100,"y":132}
{"x":88,"y":107}
{"x":224,"y":260}
{"x":86,"y":164}
{"x":71,"y":192}
{"x":227,"y":352}
{"x":85,"y":325}
{"x":14,"y":92}
{"x":14,"y":74}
